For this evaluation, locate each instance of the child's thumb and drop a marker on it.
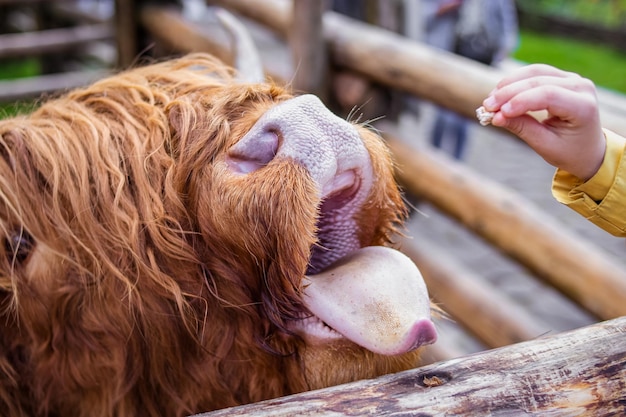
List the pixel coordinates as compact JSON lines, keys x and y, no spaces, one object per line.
{"x":524,"y":127}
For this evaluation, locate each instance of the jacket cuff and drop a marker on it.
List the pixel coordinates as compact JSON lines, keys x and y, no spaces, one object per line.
{"x":602,"y":198}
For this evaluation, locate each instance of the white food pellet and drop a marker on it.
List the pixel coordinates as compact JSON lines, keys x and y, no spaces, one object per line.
{"x":484,"y":116}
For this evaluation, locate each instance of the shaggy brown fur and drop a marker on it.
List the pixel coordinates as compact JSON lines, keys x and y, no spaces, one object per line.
{"x":138,"y":278}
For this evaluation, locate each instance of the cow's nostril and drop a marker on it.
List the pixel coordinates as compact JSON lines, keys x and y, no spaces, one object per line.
{"x":256,"y":152}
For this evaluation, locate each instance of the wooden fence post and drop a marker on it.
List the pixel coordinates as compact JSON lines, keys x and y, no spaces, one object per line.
{"x":126,"y":27}
{"x":308,"y":48}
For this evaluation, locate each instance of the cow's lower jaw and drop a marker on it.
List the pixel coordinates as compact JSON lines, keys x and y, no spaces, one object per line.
{"x":339,"y":361}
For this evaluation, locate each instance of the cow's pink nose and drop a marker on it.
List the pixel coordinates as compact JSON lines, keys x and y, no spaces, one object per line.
{"x":304,"y":131}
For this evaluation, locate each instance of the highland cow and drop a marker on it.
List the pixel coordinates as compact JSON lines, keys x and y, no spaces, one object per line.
{"x":177,"y":241}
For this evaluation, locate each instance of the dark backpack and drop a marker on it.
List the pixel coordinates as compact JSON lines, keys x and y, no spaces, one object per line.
{"x":479,"y":30}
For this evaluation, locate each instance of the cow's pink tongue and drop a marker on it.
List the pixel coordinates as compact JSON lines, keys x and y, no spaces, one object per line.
{"x":376,"y":297}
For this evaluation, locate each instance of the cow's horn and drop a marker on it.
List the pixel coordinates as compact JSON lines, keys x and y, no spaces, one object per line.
{"x":247,"y":59}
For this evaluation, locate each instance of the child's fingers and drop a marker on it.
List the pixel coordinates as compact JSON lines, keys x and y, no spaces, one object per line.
{"x":502,"y":95}
{"x":560,"y":102}
{"x":531,"y":71}
{"x":540,"y":93}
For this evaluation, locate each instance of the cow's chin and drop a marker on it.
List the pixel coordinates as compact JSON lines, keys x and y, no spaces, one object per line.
{"x":329,"y":359}
{"x":329,"y":362}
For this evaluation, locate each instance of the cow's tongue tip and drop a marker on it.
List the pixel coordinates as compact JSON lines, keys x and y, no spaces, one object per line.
{"x":376,"y":297}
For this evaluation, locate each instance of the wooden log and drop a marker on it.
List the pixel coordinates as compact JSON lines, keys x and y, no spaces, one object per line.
{"x":386,"y":57}
{"x":582,"y":372}
{"x":26,"y":88}
{"x":308,"y":48}
{"x":169,"y":27}
{"x":52,"y":41}
{"x":274,"y":14}
{"x":480,"y":308}
{"x":517,"y":227}
{"x":448,"y":80}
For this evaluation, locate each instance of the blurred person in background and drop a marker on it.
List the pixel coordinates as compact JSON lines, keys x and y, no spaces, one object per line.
{"x":485,"y":31}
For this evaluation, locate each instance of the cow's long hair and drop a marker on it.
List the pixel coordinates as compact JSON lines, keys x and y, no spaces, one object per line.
{"x":135,"y":277}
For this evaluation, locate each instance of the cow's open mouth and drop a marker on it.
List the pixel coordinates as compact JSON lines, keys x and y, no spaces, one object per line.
{"x":336,"y":229}
{"x":373,"y":296}
{"x":315,"y":329}
{"x":334,"y":210}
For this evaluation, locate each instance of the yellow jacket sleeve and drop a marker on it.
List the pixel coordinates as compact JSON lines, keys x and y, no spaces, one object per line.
{"x":602,"y":198}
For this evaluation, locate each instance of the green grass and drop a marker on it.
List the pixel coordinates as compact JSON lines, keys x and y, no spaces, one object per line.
{"x":604,"y":65}
{"x":13,"y":69}
{"x":607,"y":13}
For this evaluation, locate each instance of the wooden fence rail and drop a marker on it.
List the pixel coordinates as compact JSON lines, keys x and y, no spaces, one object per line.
{"x":52,"y":40}
{"x":487,"y":313}
{"x":517,"y":227}
{"x":545,"y":377}
{"x":446,"y":79}
{"x":34,"y":87}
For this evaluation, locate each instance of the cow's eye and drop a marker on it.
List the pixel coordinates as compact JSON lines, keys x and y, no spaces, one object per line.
{"x":18,"y":246}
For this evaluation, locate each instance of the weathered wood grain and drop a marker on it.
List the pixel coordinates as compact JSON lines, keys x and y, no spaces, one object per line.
{"x":578,"y":373}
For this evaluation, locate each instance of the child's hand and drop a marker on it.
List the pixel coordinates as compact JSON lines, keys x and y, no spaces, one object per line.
{"x":571,"y":137}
